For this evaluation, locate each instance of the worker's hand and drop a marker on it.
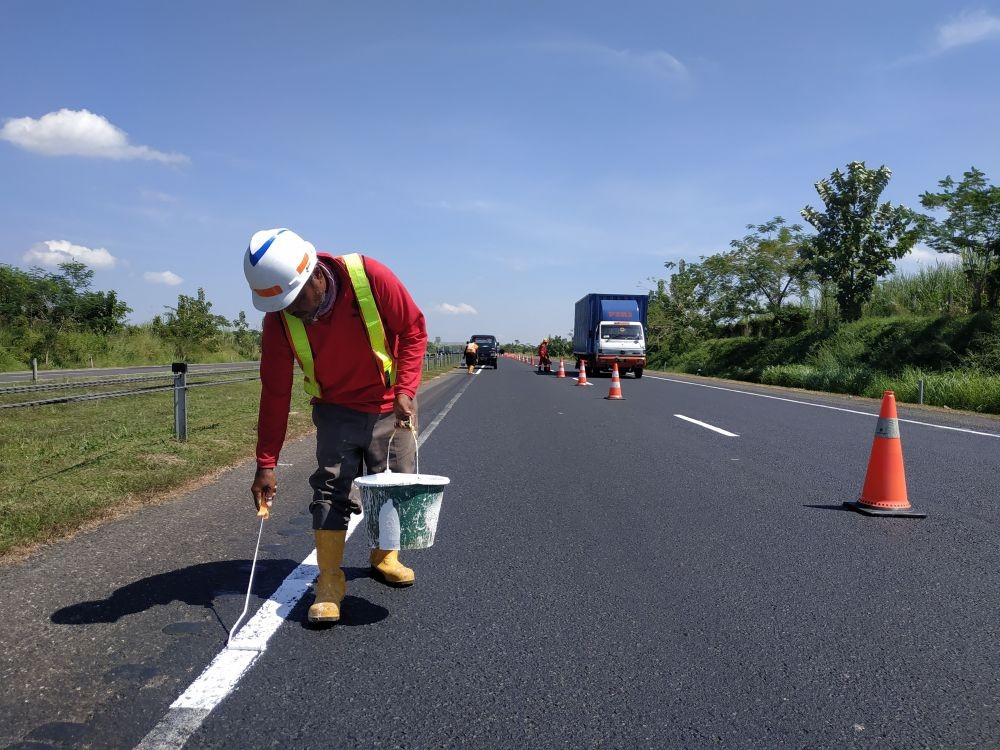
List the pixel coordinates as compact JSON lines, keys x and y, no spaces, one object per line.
{"x":406,"y":416}
{"x":263,"y":489}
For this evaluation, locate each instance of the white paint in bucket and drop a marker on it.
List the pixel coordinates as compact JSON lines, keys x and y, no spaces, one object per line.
{"x":388,"y":527}
{"x":401,"y":510}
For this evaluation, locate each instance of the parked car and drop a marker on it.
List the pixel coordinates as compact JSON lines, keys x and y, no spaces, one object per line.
{"x":488,"y":351}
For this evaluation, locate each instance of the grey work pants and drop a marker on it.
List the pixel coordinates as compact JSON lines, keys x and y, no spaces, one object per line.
{"x":344,"y":439}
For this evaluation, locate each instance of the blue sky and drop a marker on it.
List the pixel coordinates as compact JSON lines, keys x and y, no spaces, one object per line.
{"x":503,"y":158}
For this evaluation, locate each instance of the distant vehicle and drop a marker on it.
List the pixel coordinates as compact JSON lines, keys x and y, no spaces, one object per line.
{"x":610,"y":328}
{"x":486,"y":354}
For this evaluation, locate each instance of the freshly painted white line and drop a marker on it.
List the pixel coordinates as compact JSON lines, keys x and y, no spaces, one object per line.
{"x":221,"y":676}
{"x":707,"y":426}
{"x":823,"y":406}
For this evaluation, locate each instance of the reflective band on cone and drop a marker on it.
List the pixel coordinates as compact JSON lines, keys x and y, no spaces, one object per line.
{"x":884,"y":491}
{"x":615,"y":392}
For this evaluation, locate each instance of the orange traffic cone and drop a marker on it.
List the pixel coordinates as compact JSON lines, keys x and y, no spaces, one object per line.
{"x":562,"y":369}
{"x":615,"y":392}
{"x":581,"y":378}
{"x":884,"y":491}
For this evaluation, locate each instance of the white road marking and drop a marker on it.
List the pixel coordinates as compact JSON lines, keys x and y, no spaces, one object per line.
{"x":221,"y":676}
{"x":824,"y":406}
{"x":707,"y":426}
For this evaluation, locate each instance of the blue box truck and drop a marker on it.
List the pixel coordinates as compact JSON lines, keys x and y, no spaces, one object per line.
{"x":611,"y":328}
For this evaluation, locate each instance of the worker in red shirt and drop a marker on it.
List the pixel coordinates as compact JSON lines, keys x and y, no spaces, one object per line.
{"x":543,"y":356}
{"x":359,"y":339}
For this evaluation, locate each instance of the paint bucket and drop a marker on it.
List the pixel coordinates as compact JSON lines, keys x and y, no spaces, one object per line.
{"x":401,"y":510}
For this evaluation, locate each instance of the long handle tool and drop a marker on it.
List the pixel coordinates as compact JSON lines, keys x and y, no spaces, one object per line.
{"x":263,"y":514}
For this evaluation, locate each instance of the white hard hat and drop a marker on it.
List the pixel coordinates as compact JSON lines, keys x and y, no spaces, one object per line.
{"x":277,"y":265}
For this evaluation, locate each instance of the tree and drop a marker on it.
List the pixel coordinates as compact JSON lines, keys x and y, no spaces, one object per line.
{"x":246,"y":339}
{"x":677,"y":317}
{"x":52,"y":302}
{"x":191,"y":324}
{"x":857,"y":238}
{"x":971,"y":230}
{"x":560,"y":346}
{"x":768,"y":265}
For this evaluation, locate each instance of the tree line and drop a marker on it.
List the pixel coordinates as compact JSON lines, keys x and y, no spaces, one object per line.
{"x":778,"y":278}
{"x":56,"y":318}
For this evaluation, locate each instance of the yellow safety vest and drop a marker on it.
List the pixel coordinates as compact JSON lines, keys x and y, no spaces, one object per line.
{"x":299,"y":340}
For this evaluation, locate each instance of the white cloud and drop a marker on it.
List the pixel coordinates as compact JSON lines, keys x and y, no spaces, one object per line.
{"x":51,"y":253}
{"x":921,"y":257}
{"x":78,"y":133}
{"x":970,"y":27}
{"x":460,"y":309}
{"x":168,"y":278}
{"x":657,"y":63}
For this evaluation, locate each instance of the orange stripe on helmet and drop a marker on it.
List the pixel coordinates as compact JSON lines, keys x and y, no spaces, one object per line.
{"x":303,"y":264}
{"x":273,"y":291}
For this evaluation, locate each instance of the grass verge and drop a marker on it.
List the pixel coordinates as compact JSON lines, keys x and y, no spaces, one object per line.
{"x":968,"y":390}
{"x":68,"y":465}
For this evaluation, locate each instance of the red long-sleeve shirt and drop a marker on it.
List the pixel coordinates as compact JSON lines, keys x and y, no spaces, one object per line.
{"x":346,"y":369}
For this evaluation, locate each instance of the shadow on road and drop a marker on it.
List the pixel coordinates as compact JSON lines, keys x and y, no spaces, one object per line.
{"x":829,"y":507}
{"x":197,"y":585}
{"x":353,"y":611}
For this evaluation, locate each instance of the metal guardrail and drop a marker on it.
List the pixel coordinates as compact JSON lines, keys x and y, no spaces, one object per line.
{"x":179,"y":386}
{"x":109,"y":381}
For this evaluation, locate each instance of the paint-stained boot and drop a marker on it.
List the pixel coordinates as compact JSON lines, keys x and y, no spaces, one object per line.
{"x":388,"y":569}
{"x":331,"y":584}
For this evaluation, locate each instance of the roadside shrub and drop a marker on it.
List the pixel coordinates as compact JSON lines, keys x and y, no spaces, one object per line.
{"x":10,"y":363}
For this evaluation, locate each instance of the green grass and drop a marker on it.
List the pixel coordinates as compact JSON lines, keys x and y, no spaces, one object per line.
{"x":969,"y":390}
{"x":958,"y":357}
{"x":66,"y":465}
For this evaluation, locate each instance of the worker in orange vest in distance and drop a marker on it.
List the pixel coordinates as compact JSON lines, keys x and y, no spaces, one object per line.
{"x":543,"y":356}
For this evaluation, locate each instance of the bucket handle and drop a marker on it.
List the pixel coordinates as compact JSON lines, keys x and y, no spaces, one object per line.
{"x":411,"y":428}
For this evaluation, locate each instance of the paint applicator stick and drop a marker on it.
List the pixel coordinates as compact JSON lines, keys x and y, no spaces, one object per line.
{"x":263,"y":514}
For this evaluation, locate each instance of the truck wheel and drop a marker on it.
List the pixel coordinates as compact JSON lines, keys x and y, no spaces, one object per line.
{"x":637,"y":371}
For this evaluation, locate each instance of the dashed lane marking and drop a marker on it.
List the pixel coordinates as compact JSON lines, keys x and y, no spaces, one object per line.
{"x":707,"y":426}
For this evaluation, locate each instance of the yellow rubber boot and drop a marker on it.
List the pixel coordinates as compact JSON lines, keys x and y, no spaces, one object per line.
{"x":331,"y":584}
{"x":387,"y":568}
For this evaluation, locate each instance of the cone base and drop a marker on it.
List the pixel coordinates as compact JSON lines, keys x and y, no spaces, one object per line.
{"x":614,"y":398}
{"x":869,"y":510}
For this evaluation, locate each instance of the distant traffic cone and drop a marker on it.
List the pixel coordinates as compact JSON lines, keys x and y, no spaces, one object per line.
{"x":562,"y":369}
{"x":884,"y":491}
{"x":581,"y":377}
{"x":615,"y":392}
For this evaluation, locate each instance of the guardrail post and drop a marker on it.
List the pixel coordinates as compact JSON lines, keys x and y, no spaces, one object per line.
{"x":34,"y":370}
{"x":180,"y":399}
{"x":920,"y":391}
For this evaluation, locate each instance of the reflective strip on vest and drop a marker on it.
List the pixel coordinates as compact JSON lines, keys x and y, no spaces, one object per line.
{"x":369,"y":313}
{"x":302,"y":350}
{"x":299,"y":340}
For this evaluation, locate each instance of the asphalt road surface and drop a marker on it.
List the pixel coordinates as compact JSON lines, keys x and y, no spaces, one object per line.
{"x":606,"y":574}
